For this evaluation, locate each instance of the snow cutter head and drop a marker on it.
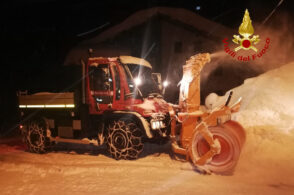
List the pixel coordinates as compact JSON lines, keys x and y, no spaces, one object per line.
{"x":210,"y":139}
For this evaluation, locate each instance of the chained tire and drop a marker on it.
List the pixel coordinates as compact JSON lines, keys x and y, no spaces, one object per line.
{"x":224,"y":162}
{"x":35,"y":136}
{"x":124,"y":139}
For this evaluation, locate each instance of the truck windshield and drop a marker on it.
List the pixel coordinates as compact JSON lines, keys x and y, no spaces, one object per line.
{"x":143,"y":80}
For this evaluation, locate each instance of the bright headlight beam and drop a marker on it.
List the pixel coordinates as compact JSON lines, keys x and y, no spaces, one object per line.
{"x":165,"y":83}
{"x":138,"y":81}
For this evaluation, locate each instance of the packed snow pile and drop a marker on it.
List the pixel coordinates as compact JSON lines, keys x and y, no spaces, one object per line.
{"x":267,"y":114}
{"x":267,"y":100}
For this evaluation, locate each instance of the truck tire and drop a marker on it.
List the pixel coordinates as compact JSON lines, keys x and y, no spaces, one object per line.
{"x":35,"y":136}
{"x":124,"y":139}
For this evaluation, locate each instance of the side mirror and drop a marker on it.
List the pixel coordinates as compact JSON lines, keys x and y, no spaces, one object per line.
{"x":157,"y":78}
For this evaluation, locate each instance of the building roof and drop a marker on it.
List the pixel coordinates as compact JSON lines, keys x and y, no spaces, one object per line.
{"x":179,"y":14}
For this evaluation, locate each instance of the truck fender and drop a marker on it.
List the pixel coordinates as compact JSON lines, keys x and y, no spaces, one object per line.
{"x":143,"y":121}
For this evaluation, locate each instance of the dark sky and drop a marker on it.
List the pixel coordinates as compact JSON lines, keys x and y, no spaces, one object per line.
{"x":72,"y":17}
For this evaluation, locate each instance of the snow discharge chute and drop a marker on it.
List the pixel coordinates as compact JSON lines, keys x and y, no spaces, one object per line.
{"x":209,"y":138}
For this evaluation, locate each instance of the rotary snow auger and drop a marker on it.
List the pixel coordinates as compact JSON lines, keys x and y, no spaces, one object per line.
{"x":208,"y":138}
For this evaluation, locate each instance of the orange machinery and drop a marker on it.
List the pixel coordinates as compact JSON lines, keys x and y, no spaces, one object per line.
{"x":209,"y":138}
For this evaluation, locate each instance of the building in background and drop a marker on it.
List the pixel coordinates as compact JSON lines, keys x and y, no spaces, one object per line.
{"x":166,"y":37}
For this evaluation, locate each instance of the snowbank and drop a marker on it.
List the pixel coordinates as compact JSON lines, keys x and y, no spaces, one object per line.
{"x":267,"y":114}
{"x":267,"y":100}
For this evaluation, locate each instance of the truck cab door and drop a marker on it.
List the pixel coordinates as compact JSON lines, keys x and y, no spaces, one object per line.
{"x":100,"y":88}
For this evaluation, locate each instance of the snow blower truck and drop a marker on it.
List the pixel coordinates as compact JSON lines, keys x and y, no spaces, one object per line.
{"x":119,"y":103}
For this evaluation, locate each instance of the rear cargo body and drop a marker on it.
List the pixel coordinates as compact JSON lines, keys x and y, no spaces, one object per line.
{"x":59,"y":110}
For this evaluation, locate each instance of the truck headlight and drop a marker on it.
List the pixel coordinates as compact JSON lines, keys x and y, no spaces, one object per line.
{"x":138,"y":81}
{"x":157,"y":124}
{"x":165,"y":83}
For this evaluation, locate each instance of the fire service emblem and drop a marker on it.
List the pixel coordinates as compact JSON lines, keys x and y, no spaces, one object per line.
{"x":247,"y":41}
{"x":246,"y":30}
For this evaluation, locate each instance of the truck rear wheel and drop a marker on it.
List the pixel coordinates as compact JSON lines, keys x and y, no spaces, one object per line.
{"x":35,"y":136}
{"x":124,"y":139}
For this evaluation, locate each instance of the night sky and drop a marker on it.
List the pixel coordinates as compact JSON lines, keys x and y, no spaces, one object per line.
{"x":37,"y":34}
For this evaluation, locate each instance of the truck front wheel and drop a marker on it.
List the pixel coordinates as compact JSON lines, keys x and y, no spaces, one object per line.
{"x":35,"y":136}
{"x":124,"y":139}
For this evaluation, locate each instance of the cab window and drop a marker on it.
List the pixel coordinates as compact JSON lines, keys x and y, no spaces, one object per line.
{"x":101,"y":84}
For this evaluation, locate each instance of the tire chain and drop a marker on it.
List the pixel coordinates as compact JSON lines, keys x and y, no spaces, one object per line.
{"x":133,"y":138}
{"x":34,"y":128}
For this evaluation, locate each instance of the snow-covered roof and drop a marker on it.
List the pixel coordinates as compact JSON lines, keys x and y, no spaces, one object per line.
{"x":134,"y":60}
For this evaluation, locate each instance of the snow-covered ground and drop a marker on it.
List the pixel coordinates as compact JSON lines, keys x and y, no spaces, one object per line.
{"x":265,"y":167}
{"x":67,"y":172}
